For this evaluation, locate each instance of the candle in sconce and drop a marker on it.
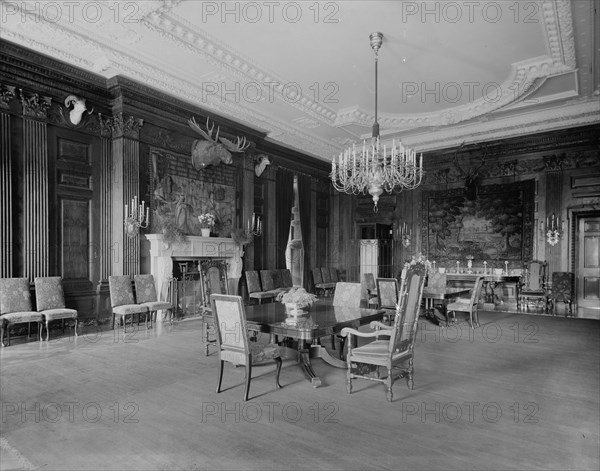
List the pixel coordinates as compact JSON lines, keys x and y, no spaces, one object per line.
{"x":506,"y":267}
{"x":126,"y":214}
{"x":147,"y":214}
{"x":457,"y":267}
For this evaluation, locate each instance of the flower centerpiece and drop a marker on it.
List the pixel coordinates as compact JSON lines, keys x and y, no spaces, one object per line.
{"x":296,"y":299}
{"x":207,"y":221}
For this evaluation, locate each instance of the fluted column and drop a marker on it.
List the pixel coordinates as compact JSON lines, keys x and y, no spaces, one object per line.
{"x":125,"y":168}
{"x":106,"y":248}
{"x":36,"y":232}
{"x":6,"y":176}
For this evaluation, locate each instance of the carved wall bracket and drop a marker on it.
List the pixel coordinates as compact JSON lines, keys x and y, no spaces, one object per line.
{"x":120,"y":126}
{"x":34,"y":107}
{"x":7,"y":93}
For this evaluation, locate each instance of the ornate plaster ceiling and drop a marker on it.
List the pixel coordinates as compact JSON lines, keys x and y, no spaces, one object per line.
{"x":303,"y":72}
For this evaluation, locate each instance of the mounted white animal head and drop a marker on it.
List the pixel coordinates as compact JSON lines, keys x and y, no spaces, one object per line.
{"x":213,"y":151}
{"x":262,"y":163}
{"x":78,"y":108}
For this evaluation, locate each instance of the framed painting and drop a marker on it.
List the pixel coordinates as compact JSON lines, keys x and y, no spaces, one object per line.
{"x":495,"y":226}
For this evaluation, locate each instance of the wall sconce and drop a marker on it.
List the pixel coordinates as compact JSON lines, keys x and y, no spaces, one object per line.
{"x":254,"y":227}
{"x":552,"y":229}
{"x":404,"y":234}
{"x":136,"y":219}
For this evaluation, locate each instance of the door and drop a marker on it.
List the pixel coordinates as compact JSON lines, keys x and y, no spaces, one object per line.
{"x":588,"y":266}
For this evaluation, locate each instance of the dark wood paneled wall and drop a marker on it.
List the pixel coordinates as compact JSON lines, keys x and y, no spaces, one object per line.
{"x":125,"y":121}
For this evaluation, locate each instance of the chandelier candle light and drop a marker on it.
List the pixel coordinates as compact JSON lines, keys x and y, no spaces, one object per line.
{"x":136,"y":219}
{"x":377,"y":167}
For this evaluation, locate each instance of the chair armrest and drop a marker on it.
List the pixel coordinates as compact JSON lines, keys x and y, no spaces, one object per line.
{"x":380,"y":325}
{"x":349,"y":331}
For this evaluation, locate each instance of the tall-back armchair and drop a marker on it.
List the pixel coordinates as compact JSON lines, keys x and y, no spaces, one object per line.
{"x":534,"y":284}
{"x":393,"y":345}
{"x":562,"y":290}
{"x":214,"y":281}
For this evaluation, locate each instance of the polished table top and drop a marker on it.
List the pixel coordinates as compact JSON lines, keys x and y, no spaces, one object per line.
{"x":437,"y":293}
{"x":321,"y":319}
{"x":488,"y":277}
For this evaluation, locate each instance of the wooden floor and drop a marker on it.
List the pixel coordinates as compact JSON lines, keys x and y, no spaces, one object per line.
{"x":520,"y":392}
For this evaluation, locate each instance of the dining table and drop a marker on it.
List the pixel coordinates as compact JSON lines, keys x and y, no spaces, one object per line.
{"x":443,"y":297}
{"x":319,"y":320}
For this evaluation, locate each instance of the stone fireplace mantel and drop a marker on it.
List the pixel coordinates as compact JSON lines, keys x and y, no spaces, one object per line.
{"x":194,"y":247}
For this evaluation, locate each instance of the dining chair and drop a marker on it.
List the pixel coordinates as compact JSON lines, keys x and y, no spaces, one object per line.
{"x":387,"y":293}
{"x":318,"y":282}
{"x":346,"y":295}
{"x":534,"y":286}
{"x":370,"y":289}
{"x":214,"y":281}
{"x":398,"y":348}
{"x":15,"y":307}
{"x":233,"y":343}
{"x":145,"y":294}
{"x":561,"y":290}
{"x":123,"y":302}
{"x":469,"y":305}
{"x":255,"y":290}
{"x":50,"y":302}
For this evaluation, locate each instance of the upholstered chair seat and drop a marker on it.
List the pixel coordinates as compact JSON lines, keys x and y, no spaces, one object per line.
{"x":50,"y":300}
{"x":123,"y":302}
{"x":15,"y":306}
{"x":145,"y":294}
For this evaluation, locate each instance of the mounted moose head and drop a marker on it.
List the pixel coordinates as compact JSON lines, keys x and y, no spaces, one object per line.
{"x":472,"y":175}
{"x":213,"y":151}
{"x":78,"y":108}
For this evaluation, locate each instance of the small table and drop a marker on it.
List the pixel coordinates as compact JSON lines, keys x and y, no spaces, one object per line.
{"x":322,"y":319}
{"x":430,"y":295}
{"x":491,"y":282}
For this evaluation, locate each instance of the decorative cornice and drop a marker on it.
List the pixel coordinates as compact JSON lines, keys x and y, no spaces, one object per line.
{"x":7,"y":93}
{"x":33,"y":107}
{"x":119,"y":126}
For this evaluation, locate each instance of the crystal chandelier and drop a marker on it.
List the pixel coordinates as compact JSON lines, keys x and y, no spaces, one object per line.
{"x":376,"y":167}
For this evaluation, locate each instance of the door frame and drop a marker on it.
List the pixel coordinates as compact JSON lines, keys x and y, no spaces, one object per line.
{"x":574,"y":214}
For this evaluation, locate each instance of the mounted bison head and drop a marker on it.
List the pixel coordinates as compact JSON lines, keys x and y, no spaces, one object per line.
{"x":213,"y":151}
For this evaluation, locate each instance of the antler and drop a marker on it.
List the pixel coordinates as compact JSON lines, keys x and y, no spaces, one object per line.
{"x":455,"y":160}
{"x":194,"y":125}
{"x":240,"y":145}
{"x":485,"y":151}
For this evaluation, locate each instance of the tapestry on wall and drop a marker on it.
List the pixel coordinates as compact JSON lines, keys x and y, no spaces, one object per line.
{"x":497,"y":226}
{"x":181,"y":194}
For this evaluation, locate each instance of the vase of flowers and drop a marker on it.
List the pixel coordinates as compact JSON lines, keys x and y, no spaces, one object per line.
{"x":296,"y":300}
{"x":207,"y":221}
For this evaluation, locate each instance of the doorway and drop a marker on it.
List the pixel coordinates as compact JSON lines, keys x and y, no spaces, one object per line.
{"x":587,"y":264}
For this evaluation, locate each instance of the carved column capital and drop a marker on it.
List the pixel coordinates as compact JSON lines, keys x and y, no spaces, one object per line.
{"x":554,"y":163}
{"x":35,"y":106}
{"x":120,"y":126}
{"x":7,"y":93}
